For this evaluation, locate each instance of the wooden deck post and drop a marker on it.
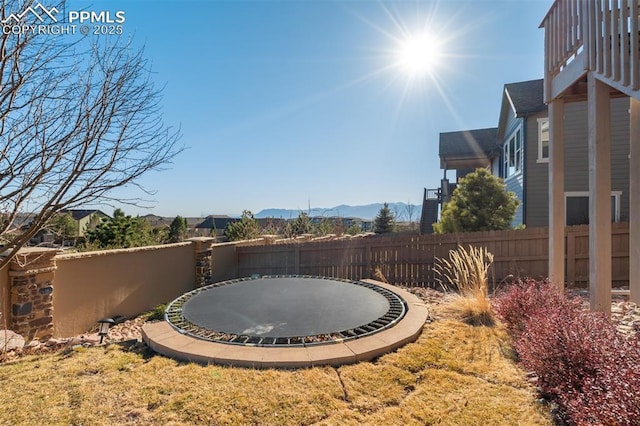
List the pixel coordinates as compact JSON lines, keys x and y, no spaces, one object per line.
{"x":556,"y":193}
{"x":634,"y":201}
{"x":599,"y":119}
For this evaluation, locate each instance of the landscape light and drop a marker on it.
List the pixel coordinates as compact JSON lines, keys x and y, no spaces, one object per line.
{"x":103,"y":327}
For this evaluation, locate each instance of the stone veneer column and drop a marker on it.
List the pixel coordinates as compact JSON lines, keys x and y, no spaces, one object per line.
{"x":31,"y":275}
{"x":202,"y":249}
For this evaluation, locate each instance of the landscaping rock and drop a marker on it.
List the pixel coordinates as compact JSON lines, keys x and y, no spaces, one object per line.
{"x":10,"y":341}
{"x":625,"y":314}
{"x":627,"y":317}
{"x":53,"y":342}
{"x":34,"y":344}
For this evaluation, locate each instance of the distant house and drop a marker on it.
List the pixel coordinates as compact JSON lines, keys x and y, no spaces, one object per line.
{"x":192,"y":222}
{"x":157,"y":221}
{"x":213,"y":225}
{"x":17,"y":226}
{"x":366,"y":225}
{"x":20,"y":221}
{"x":466,"y":150}
{"x":463,"y":152}
{"x":196,"y":226}
{"x":86,"y":219}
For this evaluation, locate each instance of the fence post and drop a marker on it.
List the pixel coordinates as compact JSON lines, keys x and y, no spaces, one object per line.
{"x":571,"y":257}
{"x":296,"y":259}
{"x":368,"y":254}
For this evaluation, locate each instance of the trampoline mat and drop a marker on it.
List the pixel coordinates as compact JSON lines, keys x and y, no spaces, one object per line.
{"x":285,"y":306}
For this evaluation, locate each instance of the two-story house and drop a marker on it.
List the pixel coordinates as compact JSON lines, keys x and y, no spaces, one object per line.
{"x":518,"y":151}
{"x":467,"y":150}
{"x":520,"y":125}
{"x":515,"y":150}
{"x":577,"y":160}
{"x":86,"y":219}
{"x":523,"y":134}
{"x":462,"y":152}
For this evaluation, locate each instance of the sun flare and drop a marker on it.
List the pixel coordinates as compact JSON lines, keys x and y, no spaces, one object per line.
{"x":419,"y":54}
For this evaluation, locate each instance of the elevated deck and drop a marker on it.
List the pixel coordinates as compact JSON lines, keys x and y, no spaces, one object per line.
{"x":592,"y":53}
{"x":596,"y":36}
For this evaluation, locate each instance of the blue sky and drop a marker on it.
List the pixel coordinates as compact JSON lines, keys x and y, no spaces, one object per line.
{"x":290,"y":103}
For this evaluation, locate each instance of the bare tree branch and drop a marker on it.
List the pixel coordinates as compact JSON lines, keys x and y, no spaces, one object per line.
{"x":76,"y":122}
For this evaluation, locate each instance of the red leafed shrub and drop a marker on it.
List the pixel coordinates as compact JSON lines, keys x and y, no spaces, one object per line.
{"x":582,"y":362}
{"x":524,"y":299}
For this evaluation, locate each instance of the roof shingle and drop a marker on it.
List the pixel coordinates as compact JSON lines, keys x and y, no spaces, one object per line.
{"x":469,"y":143}
{"x":526,"y":96}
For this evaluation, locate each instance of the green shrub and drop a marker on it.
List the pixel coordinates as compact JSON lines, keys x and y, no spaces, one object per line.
{"x":246,"y":228}
{"x":479,"y":203}
{"x":156,"y":314}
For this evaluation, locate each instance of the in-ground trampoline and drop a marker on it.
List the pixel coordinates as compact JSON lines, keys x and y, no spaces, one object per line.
{"x":287,"y":321}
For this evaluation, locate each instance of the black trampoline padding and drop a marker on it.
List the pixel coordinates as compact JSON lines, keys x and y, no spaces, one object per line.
{"x":285,"y":307}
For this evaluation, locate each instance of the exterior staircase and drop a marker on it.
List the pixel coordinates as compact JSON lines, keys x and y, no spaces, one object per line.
{"x":429,"y":216}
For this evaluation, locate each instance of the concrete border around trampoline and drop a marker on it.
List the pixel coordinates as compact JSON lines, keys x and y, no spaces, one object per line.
{"x":165,"y":340}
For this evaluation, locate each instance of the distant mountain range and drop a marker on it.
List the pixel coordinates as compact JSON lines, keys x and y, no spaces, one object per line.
{"x":369,"y":211}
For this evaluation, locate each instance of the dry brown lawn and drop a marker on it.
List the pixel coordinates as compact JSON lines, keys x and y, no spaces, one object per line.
{"x":454,"y":374}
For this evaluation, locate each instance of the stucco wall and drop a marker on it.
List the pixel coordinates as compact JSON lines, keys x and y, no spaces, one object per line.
{"x":94,"y":285}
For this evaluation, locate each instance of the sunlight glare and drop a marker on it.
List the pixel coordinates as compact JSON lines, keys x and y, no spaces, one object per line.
{"x":418,"y":55}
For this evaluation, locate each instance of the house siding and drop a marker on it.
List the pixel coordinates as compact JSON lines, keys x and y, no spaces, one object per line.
{"x":537,"y":177}
{"x":577,"y":150}
{"x":576,"y":159}
{"x":82,"y":225}
{"x":515,"y":183}
{"x":531,"y":186}
{"x":620,"y":170}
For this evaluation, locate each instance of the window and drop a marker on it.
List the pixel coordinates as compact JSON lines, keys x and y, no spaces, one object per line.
{"x":543,"y":140}
{"x":513,"y":154}
{"x":518,"y":143}
{"x":577,"y":207}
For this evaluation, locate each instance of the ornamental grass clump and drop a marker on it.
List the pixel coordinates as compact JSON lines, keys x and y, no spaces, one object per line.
{"x":466,"y":273}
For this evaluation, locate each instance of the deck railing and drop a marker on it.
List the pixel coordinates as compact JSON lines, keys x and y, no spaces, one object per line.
{"x":601,"y":34}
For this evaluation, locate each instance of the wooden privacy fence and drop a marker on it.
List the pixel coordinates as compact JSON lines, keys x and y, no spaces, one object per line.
{"x":410,"y":259}
{"x":401,"y":259}
{"x":578,"y":254}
